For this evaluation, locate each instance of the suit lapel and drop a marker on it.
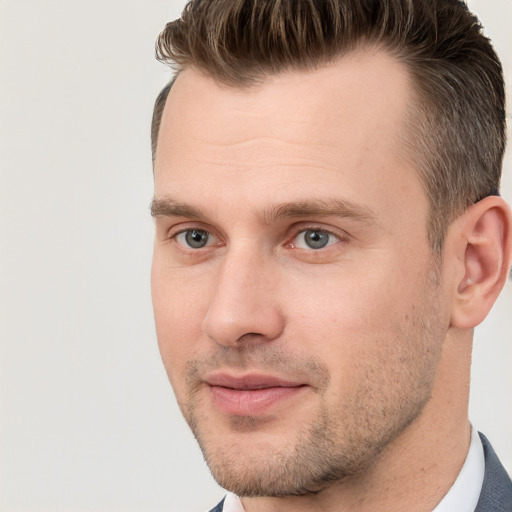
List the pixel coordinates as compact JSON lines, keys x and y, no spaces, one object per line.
{"x":496,"y":495}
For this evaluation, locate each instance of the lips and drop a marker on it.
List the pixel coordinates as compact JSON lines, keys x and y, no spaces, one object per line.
{"x":251,"y":395}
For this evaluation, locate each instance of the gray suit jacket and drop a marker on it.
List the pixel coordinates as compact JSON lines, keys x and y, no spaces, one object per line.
{"x":496,"y":495}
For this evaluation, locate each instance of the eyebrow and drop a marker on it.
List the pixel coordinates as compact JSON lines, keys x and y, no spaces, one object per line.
{"x":167,"y":207}
{"x":326,"y":207}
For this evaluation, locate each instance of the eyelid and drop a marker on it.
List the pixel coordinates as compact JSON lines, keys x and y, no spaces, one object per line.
{"x":205,"y":236}
{"x":337,"y":233}
{"x":170,"y":234}
{"x":174,"y":231}
{"x":181,"y":227}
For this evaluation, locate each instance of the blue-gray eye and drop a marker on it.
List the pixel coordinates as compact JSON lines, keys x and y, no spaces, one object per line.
{"x":314,"y":239}
{"x":194,"y":238}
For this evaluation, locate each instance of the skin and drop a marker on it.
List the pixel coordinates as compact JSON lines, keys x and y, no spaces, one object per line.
{"x":371,"y":333}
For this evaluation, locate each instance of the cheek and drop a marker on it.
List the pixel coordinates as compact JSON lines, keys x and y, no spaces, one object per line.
{"x":343,"y":304}
{"x":179,"y":309}
{"x":354,"y":321}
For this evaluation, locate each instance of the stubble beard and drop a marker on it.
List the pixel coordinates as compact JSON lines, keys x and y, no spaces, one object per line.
{"x":333,"y":445}
{"x":315,"y":457}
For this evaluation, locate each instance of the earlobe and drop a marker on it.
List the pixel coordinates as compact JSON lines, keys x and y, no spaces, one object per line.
{"x":484,"y":245}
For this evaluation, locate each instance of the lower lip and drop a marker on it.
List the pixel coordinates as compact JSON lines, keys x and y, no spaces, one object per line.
{"x":251,"y":402}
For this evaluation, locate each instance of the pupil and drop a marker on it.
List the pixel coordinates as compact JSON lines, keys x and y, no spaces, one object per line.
{"x":316,"y":239}
{"x":196,"y":238}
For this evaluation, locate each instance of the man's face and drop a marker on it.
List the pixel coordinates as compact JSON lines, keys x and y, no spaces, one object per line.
{"x":298,"y":307}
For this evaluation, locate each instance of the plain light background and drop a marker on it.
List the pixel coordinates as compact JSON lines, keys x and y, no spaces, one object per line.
{"x":88,"y":421}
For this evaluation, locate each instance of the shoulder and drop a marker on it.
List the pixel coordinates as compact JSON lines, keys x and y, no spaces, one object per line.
{"x":496,"y":495}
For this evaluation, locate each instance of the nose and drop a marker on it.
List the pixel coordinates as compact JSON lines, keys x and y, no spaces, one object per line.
{"x":244,"y":307}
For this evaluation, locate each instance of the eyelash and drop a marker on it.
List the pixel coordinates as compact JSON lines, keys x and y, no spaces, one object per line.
{"x":313,"y":228}
{"x":172,"y":235}
{"x":290,"y":243}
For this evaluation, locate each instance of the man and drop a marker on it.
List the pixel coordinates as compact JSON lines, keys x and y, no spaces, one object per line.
{"x":328,"y":234}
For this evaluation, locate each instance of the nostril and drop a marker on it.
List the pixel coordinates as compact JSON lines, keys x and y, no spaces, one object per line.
{"x":251,"y":336}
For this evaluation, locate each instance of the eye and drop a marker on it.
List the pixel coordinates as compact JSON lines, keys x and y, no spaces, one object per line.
{"x":314,"y":239}
{"x":194,"y":238}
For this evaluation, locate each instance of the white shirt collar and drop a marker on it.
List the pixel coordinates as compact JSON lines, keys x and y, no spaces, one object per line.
{"x":462,"y":496}
{"x":464,"y":493}
{"x":232,"y":503}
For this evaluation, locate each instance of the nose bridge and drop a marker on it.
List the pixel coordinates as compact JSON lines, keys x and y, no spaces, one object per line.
{"x":244,"y":304}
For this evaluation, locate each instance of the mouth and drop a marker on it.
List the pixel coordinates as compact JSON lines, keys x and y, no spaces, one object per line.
{"x":252,"y":394}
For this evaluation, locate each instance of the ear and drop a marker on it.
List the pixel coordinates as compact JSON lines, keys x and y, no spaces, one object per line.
{"x":482,"y":241}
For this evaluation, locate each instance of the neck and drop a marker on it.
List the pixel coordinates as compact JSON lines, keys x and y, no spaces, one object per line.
{"x":416,"y":469}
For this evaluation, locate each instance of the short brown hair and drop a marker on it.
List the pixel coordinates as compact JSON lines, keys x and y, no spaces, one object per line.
{"x":456,"y":133}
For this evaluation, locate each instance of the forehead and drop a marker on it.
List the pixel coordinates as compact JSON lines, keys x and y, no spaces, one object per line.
{"x":366,"y":90}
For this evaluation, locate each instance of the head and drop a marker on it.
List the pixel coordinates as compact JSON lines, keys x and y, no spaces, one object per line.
{"x":323,"y":244}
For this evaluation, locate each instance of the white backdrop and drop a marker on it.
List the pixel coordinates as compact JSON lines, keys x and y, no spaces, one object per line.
{"x":88,"y":421}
